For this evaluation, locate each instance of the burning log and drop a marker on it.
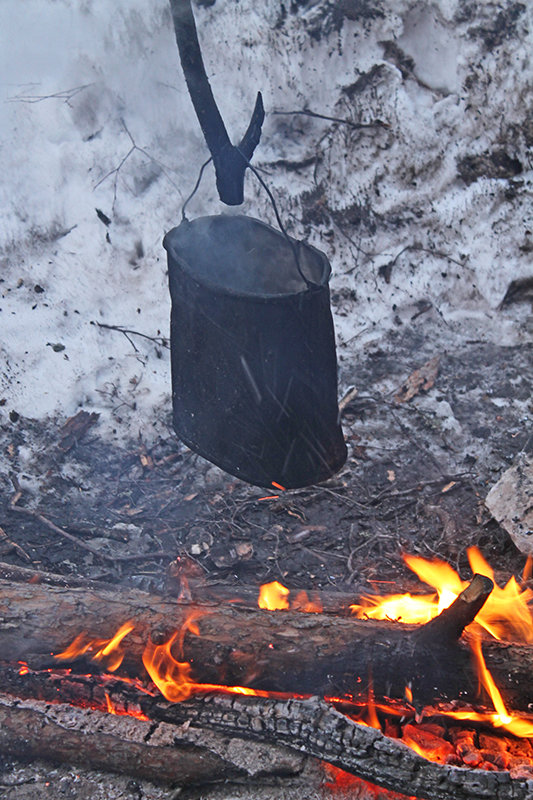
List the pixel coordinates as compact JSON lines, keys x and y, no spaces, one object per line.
{"x":251,"y":647}
{"x":274,"y":651}
{"x":309,"y":727}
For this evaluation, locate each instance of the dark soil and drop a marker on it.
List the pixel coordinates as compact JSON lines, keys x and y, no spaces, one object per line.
{"x":414,"y":482}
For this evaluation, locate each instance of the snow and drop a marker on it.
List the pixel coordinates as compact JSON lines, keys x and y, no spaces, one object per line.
{"x":95,"y":115}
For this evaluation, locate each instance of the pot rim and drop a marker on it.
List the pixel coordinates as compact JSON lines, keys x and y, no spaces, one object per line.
{"x":311,"y":288}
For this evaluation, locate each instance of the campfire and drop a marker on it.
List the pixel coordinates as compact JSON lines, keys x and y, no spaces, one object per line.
{"x":458,"y":717}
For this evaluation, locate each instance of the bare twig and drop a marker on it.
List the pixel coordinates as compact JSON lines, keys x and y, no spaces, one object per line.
{"x":65,"y":94}
{"x":7,"y":546}
{"x":350,"y":394}
{"x":378,"y":123}
{"x":74,"y":539}
{"x":133,"y":148}
{"x":160,"y":340}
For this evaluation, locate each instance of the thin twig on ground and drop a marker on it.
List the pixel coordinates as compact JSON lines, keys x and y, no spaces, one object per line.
{"x":7,"y":546}
{"x":36,"y":515}
{"x":378,"y":123}
{"x":128,"y":332}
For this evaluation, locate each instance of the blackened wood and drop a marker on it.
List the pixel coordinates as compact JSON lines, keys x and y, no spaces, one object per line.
{"x":277,"y":651}
{"x":312,"y":727}
{"x":230,"y":165}
{"x":145,"y":749}
{"x":29,"y":733}
{"x":451,"y":622}
{"x":319,"y":730}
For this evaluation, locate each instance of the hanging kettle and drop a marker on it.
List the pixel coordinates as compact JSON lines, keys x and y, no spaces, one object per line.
{"x":254,"y":372}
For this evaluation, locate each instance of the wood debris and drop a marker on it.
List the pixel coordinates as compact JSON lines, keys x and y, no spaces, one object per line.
{"x":421,"y":380}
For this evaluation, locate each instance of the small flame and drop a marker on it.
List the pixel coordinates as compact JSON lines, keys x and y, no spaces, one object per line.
{"x":172,"y":677}
{"x":273,"y":597}
{"x":372,"y":717}
{"x":98,"y":649}
{"x":301,"y":602}
{"x":276,"y":597}
{"x":110,"y":707}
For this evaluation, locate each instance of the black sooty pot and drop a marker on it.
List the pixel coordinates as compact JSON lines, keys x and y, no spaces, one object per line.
{"x":254,"y":371}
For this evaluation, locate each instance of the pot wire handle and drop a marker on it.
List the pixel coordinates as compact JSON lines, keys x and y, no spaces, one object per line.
{"x":310,"y":284}
{"x":196,"y":187}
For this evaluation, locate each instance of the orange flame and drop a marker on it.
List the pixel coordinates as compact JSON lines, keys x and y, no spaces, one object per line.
{"x":172,"y":677}
{"x":505,"y":614}
{"x":273,"y":597}
{"x":373,"y":720}
{"x":276,"y":597}
{"x":501,"y":717}
{"x":110,"y":707}
{"x":98,"y":649}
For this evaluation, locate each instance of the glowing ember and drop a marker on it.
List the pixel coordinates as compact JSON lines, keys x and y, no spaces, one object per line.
{"x":427,"y":744}
{"x":301,"y":602}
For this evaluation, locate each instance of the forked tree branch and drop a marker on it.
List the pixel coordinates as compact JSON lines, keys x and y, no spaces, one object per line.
{"x":230,"y":165}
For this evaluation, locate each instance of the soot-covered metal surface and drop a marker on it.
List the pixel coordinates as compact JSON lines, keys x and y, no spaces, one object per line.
{"x":254,"y":370}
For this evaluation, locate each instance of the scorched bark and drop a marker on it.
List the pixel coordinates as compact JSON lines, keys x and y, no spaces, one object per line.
{"x":293,"y":652}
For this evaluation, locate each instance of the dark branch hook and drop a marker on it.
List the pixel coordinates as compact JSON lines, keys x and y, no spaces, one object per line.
{"x":229,"y":165}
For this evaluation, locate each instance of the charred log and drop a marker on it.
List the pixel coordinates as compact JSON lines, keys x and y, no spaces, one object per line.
{"x":309,"y":727}
{"x":156,"y":751}
{"x":276,"y":651}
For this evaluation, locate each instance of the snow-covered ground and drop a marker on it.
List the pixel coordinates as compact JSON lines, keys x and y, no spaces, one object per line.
{"x":425,"y":215}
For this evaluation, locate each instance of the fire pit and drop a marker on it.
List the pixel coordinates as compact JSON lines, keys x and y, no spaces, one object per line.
{"x":447,"y":749}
